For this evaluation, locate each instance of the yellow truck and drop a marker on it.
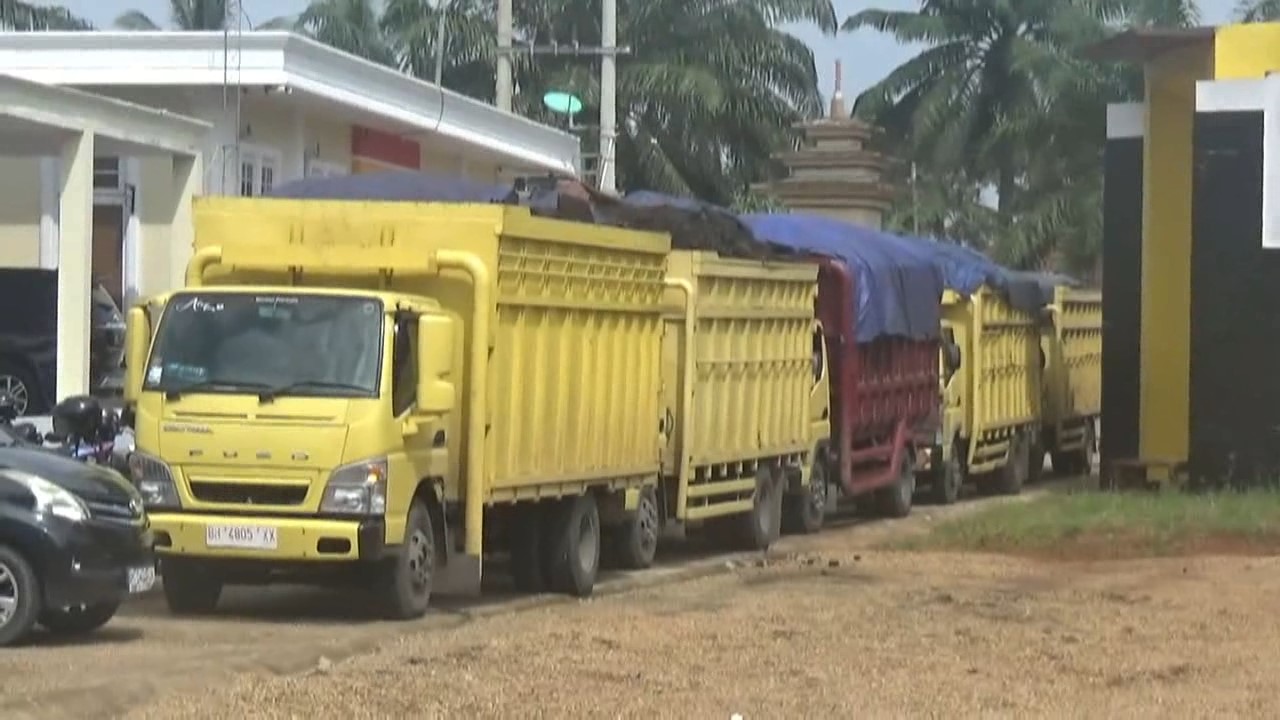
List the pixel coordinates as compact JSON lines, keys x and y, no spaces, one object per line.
{"x":381,"y":393}
{"x":1072,"y":347}
{"x":991,"y":375}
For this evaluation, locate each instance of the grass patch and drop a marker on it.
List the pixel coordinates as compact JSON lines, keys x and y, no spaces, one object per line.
{"x":1094,"y":525}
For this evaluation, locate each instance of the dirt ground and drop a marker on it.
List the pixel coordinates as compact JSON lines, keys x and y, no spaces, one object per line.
{"x":826,"y":627}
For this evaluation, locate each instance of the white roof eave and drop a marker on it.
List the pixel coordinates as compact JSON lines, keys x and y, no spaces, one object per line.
{"x":118,"y":58}
{"x":77,"y":111}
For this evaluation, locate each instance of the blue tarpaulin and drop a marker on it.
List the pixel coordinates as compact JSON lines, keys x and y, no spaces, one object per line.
{"x":898,"y":285}
{"x":964,"y":270}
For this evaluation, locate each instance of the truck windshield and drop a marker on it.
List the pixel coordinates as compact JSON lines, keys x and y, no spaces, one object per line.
{"x":268,"y":344}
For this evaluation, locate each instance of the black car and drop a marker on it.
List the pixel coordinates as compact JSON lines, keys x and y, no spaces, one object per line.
{"x":74,"y":541}
{"x":28,"y":339}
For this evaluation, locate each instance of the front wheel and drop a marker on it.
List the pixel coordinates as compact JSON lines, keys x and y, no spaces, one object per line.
{"x":20,"y":597}
{"x":79,"y":620}
{"x":805,"y":511}
{"x":405,"y":583}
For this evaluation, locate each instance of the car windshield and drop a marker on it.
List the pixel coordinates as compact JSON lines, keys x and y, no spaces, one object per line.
{"x":294,"y":344}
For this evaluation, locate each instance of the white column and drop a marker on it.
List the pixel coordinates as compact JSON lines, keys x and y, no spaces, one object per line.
{"x":49,"y":213}
{"x":75,"y":261}
{"x":187,"y":171}
{"x":132,"y":273}
{"x":214,"y":181}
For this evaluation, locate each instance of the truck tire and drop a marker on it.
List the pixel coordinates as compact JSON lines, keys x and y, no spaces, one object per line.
{"x":804,"y":512}
{"x":635,"y":542}
{"x":20,"y":597}
{"x":406,"y":580}
{"x":574,"y":559}
{"x":1035,"y":459}
{"x":1010,"y":479}
{"x":528,"y":533}
{"x":947,"y":480}
{"x":1079,"y":461}
{"x":894,"y":501}
{"x":78,"y":620}
{"x":760,"y":527}
{"x":189,"y":587}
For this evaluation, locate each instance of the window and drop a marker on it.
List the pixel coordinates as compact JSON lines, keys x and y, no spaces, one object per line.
{"x":404,"y":364}
{"x":106,"y":173}
{"x":325,"y":168}
{"x":259,"y":168}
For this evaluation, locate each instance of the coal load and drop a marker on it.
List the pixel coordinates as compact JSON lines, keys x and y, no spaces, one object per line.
{"x":691,"y":225}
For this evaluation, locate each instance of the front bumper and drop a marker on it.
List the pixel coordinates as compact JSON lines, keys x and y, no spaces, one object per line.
{"x":88,"y":563}
{"x":297,"y":539}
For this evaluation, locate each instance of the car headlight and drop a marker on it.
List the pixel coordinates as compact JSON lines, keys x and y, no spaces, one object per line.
{"x":357,"y":489}
{"x":49,"y":499}
{"x":154,"y":481}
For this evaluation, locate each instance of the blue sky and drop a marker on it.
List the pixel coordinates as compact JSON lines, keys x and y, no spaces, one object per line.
{"x":867,"y":55}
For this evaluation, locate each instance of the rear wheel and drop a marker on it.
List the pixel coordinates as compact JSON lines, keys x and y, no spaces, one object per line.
{"x":635,"y":542}
{"x":20,"y":597}
{"x":759,"y":527}
{"x":189,"y":587}
{"x":1011,"y":478}
{"x":405,"y":583}
{"x":574,"y":560}
{"x":79,"y":620}
{"x":805,"y":511}
{"x":894,"y":501}
{"x":1079,"y":461}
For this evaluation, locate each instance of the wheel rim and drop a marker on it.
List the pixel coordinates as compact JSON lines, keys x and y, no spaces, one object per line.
{"x":588,"y":542}
{"x":9,"y":595}
{"x":764,"y":516}
{"x":17,"y":391}
{"x":647,"y":522}
{"x":419,"y":556}
{"x":817,"y":493}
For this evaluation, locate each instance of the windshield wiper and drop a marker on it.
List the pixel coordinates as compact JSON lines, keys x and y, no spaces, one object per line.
{"x":175,"y":393}
{"x":271,"y":394}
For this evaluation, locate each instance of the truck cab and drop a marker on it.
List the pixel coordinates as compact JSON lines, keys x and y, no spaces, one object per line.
{"x":308,"y":426}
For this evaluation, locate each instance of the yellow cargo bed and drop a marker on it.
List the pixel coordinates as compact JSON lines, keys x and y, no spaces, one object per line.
{"x":1000,"y":371}
{"x":1073,"y":371}
{"x":742,"y":399}
{"x":574,"y":328}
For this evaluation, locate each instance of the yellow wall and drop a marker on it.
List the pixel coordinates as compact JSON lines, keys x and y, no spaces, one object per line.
{"x":1246,"y":51}
{"x":1166,"y":251}
{"x":20,"y":212}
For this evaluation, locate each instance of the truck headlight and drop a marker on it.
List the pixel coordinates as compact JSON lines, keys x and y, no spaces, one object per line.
{"x":357,"y":489}
{"x":154,"y":480}
{"x":48,"y":499}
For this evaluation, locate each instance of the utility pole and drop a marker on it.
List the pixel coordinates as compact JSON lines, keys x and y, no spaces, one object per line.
{"x":502,"y":93}
{"x":608,"y":182}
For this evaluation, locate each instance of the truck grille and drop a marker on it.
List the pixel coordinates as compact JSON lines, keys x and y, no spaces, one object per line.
{"x":248,"y":493}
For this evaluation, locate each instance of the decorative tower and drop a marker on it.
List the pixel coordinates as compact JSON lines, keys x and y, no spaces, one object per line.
{"x":833,"y":173}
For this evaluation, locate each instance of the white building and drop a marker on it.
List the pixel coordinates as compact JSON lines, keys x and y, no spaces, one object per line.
{"x":278,"y":107}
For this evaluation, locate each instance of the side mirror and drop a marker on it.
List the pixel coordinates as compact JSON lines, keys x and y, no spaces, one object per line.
{"x":436,"y":393}
{"x":137,"y":341}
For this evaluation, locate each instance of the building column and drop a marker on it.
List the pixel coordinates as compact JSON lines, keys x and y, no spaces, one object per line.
{"x":49,"y":213}
{"x":75,"y":262}
{"x":294,"y":160}
{"x":187,"y":173}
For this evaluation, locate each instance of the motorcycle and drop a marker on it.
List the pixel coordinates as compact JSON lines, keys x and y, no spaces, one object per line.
{"x":83,"y":430}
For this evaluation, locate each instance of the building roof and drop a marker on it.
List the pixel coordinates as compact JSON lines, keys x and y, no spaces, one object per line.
{"x":275,"y":58}
{"x":36,"y":115}
{"x":1141,"y":44}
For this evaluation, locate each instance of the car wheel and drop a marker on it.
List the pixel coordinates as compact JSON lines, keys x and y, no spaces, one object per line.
{"x":78,"y":620}
{"x":17,"y":383}
{"x":19,"y":597}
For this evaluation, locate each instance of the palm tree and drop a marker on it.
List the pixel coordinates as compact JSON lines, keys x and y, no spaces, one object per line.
{"x":708,"y":92}
{"x":1258,"y":10}
{"x":17,"y":15}
{"x":351,"y":25}
{"x":193,"y":15}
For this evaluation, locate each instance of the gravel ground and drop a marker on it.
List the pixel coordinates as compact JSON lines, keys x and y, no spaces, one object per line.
{"x":831,"y":633}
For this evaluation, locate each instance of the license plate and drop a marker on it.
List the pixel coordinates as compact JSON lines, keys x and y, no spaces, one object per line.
{"x":142,"y":579}
{"x":248,"y":537}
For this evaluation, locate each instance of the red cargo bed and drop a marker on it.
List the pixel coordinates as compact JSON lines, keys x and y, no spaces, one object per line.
{"x":884,"y":394}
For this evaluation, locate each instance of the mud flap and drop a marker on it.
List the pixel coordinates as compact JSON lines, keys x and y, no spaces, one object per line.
{"x":460,"y":576}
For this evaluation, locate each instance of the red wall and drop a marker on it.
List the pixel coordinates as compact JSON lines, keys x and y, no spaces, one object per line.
{"x":384,"y":147}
